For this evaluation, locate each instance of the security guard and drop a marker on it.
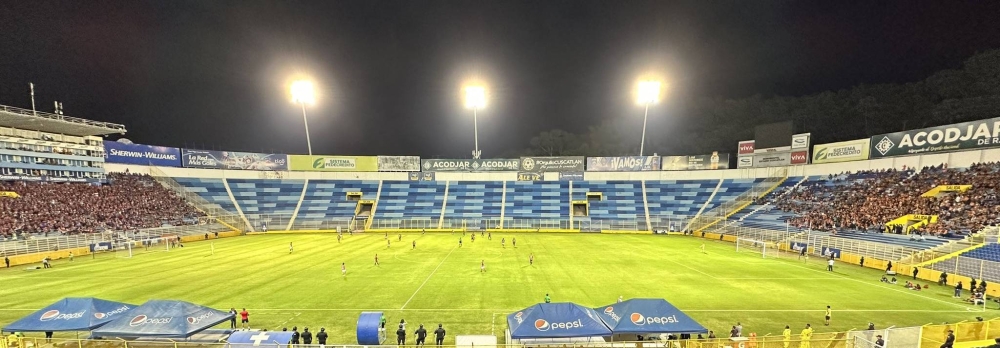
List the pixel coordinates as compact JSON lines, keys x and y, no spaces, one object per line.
{"x":421,"y":335}
{"x":400,"y":335}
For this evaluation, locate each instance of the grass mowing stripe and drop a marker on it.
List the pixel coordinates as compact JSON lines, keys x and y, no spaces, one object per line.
{"x":428,"y":278}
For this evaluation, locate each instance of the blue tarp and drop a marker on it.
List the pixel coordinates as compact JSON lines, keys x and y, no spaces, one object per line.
{"x":71,"y":314}
{"x":259,"y":338}
{"x":162,"y":318}
{"x":556,"y":320}
{"x":647,"y":315}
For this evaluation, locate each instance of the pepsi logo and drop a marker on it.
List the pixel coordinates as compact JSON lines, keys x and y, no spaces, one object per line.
{"x":637,"y":319}
{"x":138,"y":320}
{"x":49,"y":315}
{"x":100,"y":315}
{"x":192,"y":320}
{"x":541,"y":325}
{"x":519,"y":317}
{"x":609,"y":310}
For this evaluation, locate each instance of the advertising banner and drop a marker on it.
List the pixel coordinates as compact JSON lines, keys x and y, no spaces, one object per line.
{"x":744,"y":162}
{"x":797,"y":246}
{"x":529,"y":176}
{"x":831,"y":252}
{"x":398,"y":163}
{"x":101,"y":246}
{"x":333,"y":163}
{"x":799,"y":157}
{"x":953,"y":137}
{"x":44,"y":178}
{"x":746,"y":147}
{"x":698,"y":162}
{"x":471,"y":165}
{"x":570,"y":176}
{"x":844,"y":151}
{"x":776,"y":159}
{"x":422,"y":176}
{"x":552,"y":164}
{"x":623,"y":164}
{"x":162,"y":156}
{"x":233,"y":160}
{"x":801,"y":141}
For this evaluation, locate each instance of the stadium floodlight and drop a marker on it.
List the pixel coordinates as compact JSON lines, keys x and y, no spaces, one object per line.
{"x":647,"y":93}
{"x":475,"y":99}
{"x":303,"y":93}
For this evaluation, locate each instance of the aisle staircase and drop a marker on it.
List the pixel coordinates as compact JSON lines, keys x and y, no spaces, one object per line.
{"x":703,"y":221}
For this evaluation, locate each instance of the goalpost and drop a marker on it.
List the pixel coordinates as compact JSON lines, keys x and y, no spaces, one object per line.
{"x":765,"y":249}
{"x":123,"y":250}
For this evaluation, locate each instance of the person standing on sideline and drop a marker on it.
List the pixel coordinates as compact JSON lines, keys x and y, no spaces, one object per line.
{"x":245,"y":319}
{"x":829,"y":265}
{"x":972,"y":285}
{"x":862,"y":261}
{"x":829,"y":313}
{"x":232,"y":321}
{"x":439,"y":335}
{"x":619,"y":299}
{"x":879,"y":342}
{"x":400,"y":335}
{"x":70,"y":256}
{"x":806,"y":335}
{"x":548,"y":299}
{"x":295,"y":335}
{"x":888,"y":267}
{"x":383,"y":322}
{"x":950,"y":341}
{"x":307,"y":337}
{"x":915,"y":271}
{"x":786,"y":336}
{"x":739,"y":329}
{"x":421,"y":334}
{"x":958,"y":290}
{"x":6,"y":260}
{"x":321,"y":337}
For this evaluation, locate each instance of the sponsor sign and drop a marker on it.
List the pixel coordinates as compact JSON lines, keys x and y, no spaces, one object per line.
{"x":233,"y":160}
{"x":142,"y":319}
{"x":545,"y":325}
{"x":746,"y":147}
{"x":398,"y":163}
{"x":798,"y":246}
{"x":101,"y":246}
{"x":529,"y":176}
{"x":698,"y":162}
{"x":854,"y":150}
{"x":421,"y":176}
{"x":552,"y":164}
{"x":44,"y":178}
{"x":799,"y":157}
{"x":333,"y":163}
{"x":776,"y":159}
{"x":623,"y":164}
{"x":953,"y":137}
{"x":471,"y":165}
{"x":831,"y":252}
{"x":163,"y":156}
{"x":56,"y":315}
{"x":570,"y":176}
{"x":744,"y":162}
{"x":801,"y":141}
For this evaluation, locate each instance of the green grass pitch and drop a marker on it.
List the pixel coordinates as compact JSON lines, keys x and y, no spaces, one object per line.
{"x":439,"y":282}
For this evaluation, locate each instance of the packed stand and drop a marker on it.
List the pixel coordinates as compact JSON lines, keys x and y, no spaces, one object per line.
{"x":866,"y":201}
{"x":126,"y":202}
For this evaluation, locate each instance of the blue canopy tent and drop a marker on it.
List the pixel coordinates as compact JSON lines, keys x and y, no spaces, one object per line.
{"x":71,"y":314}
{"x":647,"y":316}
{"x":556,"y":320}
{"x":163,"y":318}
{"x":246,"y":339}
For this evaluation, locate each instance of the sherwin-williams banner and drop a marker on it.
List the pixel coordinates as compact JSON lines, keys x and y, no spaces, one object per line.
{"x":163,"y":156}
{"x":471,"y":165}
{"x":698,"y":162}
{"x":333,"y":163}
{"x":844,"y":151}
{"x":552,"y":164}
{"x":398,"y":163}
{"x":953,"y":137}
{"x":623,"y":164}
{"x":233,"y":160}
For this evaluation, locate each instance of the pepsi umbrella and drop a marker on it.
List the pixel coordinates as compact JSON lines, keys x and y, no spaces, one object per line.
{"x":556,"y":320}
{"x":71,"y":314}
{"x":163,"y":318}
{"x":646,"y":316}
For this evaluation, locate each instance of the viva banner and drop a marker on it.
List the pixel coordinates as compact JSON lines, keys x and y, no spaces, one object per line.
{"x":953,"y":137}
{"x":844,"y":151}
{"x":162,"y":156}
{"x":471,"y":165}
{"x":698,"y":162}
{"x":623,"y":164}
{"x":333,"y":163}
{"x":552,"y":164}
{"x":398,"y":163}
{"x":233,"y":160}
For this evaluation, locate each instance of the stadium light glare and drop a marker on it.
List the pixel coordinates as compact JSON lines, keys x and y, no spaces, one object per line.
{"x":302,"y":94}
{"x":648,"y":92}
{"x":475,"y":99}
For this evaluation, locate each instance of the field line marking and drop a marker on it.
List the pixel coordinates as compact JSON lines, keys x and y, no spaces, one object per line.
{"x":691,"y":268}
{"x":286,"y":321}
{"x":428,"y":278}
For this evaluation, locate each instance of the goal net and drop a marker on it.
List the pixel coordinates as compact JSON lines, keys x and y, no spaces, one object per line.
{"x":762,"y":248}
{"x":123,"y":250}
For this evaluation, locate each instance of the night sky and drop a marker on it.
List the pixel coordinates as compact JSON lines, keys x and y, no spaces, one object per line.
{"x":214,"y":74}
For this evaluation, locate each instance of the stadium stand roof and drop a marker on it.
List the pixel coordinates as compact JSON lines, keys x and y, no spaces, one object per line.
{"x":60,"y":124}
{"x":71,"y":314}
{"x":647,"y":316}
{"x":556,"y":320}
{"x":163,"y":319}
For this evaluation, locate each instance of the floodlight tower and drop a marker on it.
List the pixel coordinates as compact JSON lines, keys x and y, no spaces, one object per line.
{"x":475,"y":99}
{"x":648,"y":93}
{"x":302,"y":93}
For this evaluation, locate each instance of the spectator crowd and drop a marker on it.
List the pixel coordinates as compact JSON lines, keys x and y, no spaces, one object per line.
{"x":866,"y":201}
{"x":126,"y":202}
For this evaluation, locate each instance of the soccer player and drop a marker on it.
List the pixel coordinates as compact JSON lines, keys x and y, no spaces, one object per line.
{"x":245,"y":319}
{"x":414,"y":244}
{"x":460,"y":242}
{"x":503,"y":242}
{"x":232,"y":321}
{"x":71,"y":256}
{"x":805,"y":336}
{"x":388,"y":244}
{"x":513,"y":242}
{"x":376,"y":259}
{"x":439,"y":335}
{"x":400,"y":237}
{"x":482,"y":266}
{"x":531,"y":259}
{"x":786,"y":336}
{"x":343,"y":269}
{"x":339,"y":237}
{"x":290,"y":248}
{"x":829,"y":265}
{"x":421,"y":335}
{"x":489,"y":236}
{"x":829,"y":313}
{"x":703,"y":248}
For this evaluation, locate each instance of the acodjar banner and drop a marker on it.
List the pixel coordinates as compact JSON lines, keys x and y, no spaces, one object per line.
{"x":954,"y":137}
{"x":471,"y":165}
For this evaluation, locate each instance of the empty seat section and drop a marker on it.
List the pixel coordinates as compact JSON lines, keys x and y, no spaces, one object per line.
{"x":533,"y":204}
{"x":267,"y":201}
{"x":471,"y":204}
{"x":620,"y":200}
{"x":212,"y":190}
{"x":326,"y":205}
{"x":677,"y":198}
{"x":990,"y":252}
{"x":730,"y":189}
{"x":409,"y":204}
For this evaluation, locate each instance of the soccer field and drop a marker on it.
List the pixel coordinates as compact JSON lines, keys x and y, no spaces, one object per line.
{"x":439,"y":282}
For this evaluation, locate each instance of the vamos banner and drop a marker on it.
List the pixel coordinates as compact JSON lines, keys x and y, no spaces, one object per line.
{"x":333,"y":163}
{"x":148,"y":155}
{"x":698,"y":162}
{"x":953,"y":137}
{"x":623,"y":164}
{"x":844,"y":151}
{"x":552,"y":164}
{"x":398,"y":163}
{"x":471,"y":165}
{"x":233,"y":160}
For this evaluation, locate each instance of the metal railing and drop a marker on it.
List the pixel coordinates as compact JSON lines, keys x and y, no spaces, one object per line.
{"x":199,"y":202}
{"x":38,"y":244}
{"x":728,"y":208}
{"x":970,"y":267}
{"x":117,"y":128}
